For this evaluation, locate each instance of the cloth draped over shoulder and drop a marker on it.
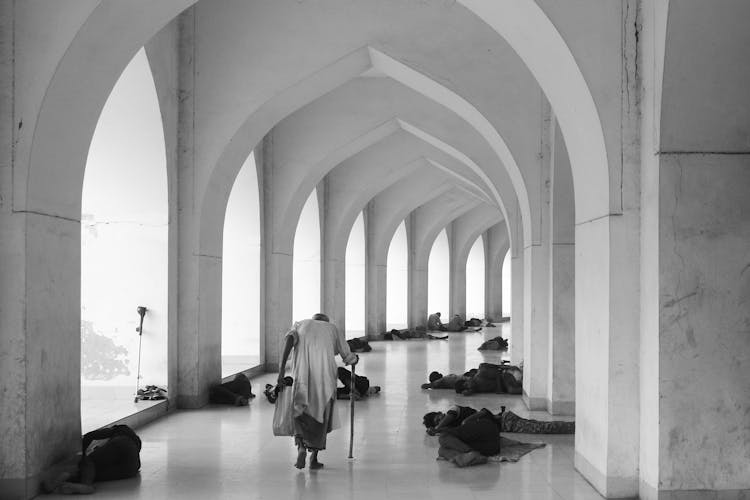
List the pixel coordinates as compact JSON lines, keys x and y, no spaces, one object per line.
{"x":316,"y":343}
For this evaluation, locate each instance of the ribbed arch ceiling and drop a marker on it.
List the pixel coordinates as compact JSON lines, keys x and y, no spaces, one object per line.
{"x":237,"y":92}
{"x":303,"y":140}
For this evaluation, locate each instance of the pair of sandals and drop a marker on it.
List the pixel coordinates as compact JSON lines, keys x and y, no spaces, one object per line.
{"x":151,"y":393}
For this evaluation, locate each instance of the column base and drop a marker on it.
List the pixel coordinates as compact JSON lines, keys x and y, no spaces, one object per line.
{"x":19,"y":488}
{"x":534,"y":403}
{"x":190,"y":402}
{"x":561,"y":408}
{"x":648,"y":492}
{"x":607,"y":486}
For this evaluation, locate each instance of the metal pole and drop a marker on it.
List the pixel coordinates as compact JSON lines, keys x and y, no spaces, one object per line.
{"x":351,"y":414}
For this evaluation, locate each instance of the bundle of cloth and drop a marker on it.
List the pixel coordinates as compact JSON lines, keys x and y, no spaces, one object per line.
{"x":272,"y":391}
{"x":489,"y":377}
{"x":473,"y":322}
{"x":359,"y":345}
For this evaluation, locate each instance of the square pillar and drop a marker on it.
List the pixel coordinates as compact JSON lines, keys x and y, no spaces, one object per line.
{"x":536,"y":329}
{"x":516,"y":306}
{"x":703,"y":320}
{"x":607,"y":352}
{"x":199,"y":270}
{"x":277,"y":270}
{"x":40,"y":345}
{"x":376,"y":278}
{"x":456,"y":277}
{"x":417,"y":279}
{"x":333,"y":266}
{"x":561,"y":373}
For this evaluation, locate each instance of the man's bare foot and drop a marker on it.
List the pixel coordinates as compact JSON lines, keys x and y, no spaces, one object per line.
{"x":470,"y":458}
{"x":301,"y":458}
{"x":314,"y":464}
{"x":49,"y":485}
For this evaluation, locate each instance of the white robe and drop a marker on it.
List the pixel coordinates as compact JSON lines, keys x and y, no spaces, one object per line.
{"x":316,"y":344}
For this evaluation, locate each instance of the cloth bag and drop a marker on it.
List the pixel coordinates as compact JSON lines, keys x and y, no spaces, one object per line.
{"x":283,"y":415}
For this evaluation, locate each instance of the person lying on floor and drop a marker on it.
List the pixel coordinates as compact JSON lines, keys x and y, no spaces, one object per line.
{"x":439,"y":381}
{"x":473,"y":322}
{"x":436,"y":422}
{"x":498,"y":379}
{"x":417,"y":333}
{"x":362,"y":387}
{"x":489,"y":377}
{"x":495,"y":344}
{"x":237,"y":392}
{"x":359,"y":345}
{"x":471,"y":441}
{"x":108,"y":454}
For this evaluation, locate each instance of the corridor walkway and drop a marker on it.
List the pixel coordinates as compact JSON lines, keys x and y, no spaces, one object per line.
{"x":228,"y":452}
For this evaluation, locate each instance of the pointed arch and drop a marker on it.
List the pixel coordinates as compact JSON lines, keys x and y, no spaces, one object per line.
{"x":437,"y":275}
{"x":396,"y":282}
{"x":240,"y":281}
{"x":124,"y":248}
{"x":475,"y":281}
{"x":306,"y":261}
{"x":355,"y":280}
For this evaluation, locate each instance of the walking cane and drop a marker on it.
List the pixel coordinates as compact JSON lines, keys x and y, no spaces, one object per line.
{"x":141,"y":312}
{"x":351,"y":414}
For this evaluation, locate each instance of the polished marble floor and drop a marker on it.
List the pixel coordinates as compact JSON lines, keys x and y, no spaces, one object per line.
{"x":230,"y":452}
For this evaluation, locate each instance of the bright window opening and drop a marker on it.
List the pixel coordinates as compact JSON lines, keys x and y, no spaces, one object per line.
{"x":306,"y":267}
{"x":240,"y":282}
{"x":397,"y":280}
{"x":355,"y":280}
{"x":475,"y":281}
{"x":507,"y":277}
{"x":437,"y":276}
{"x":124,"y":252}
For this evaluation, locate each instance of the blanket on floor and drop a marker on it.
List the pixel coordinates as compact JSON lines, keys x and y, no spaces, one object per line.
{"x":512,"y":451}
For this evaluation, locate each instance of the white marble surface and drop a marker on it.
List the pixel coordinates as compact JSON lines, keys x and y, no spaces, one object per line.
{"x":228,"y":452}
